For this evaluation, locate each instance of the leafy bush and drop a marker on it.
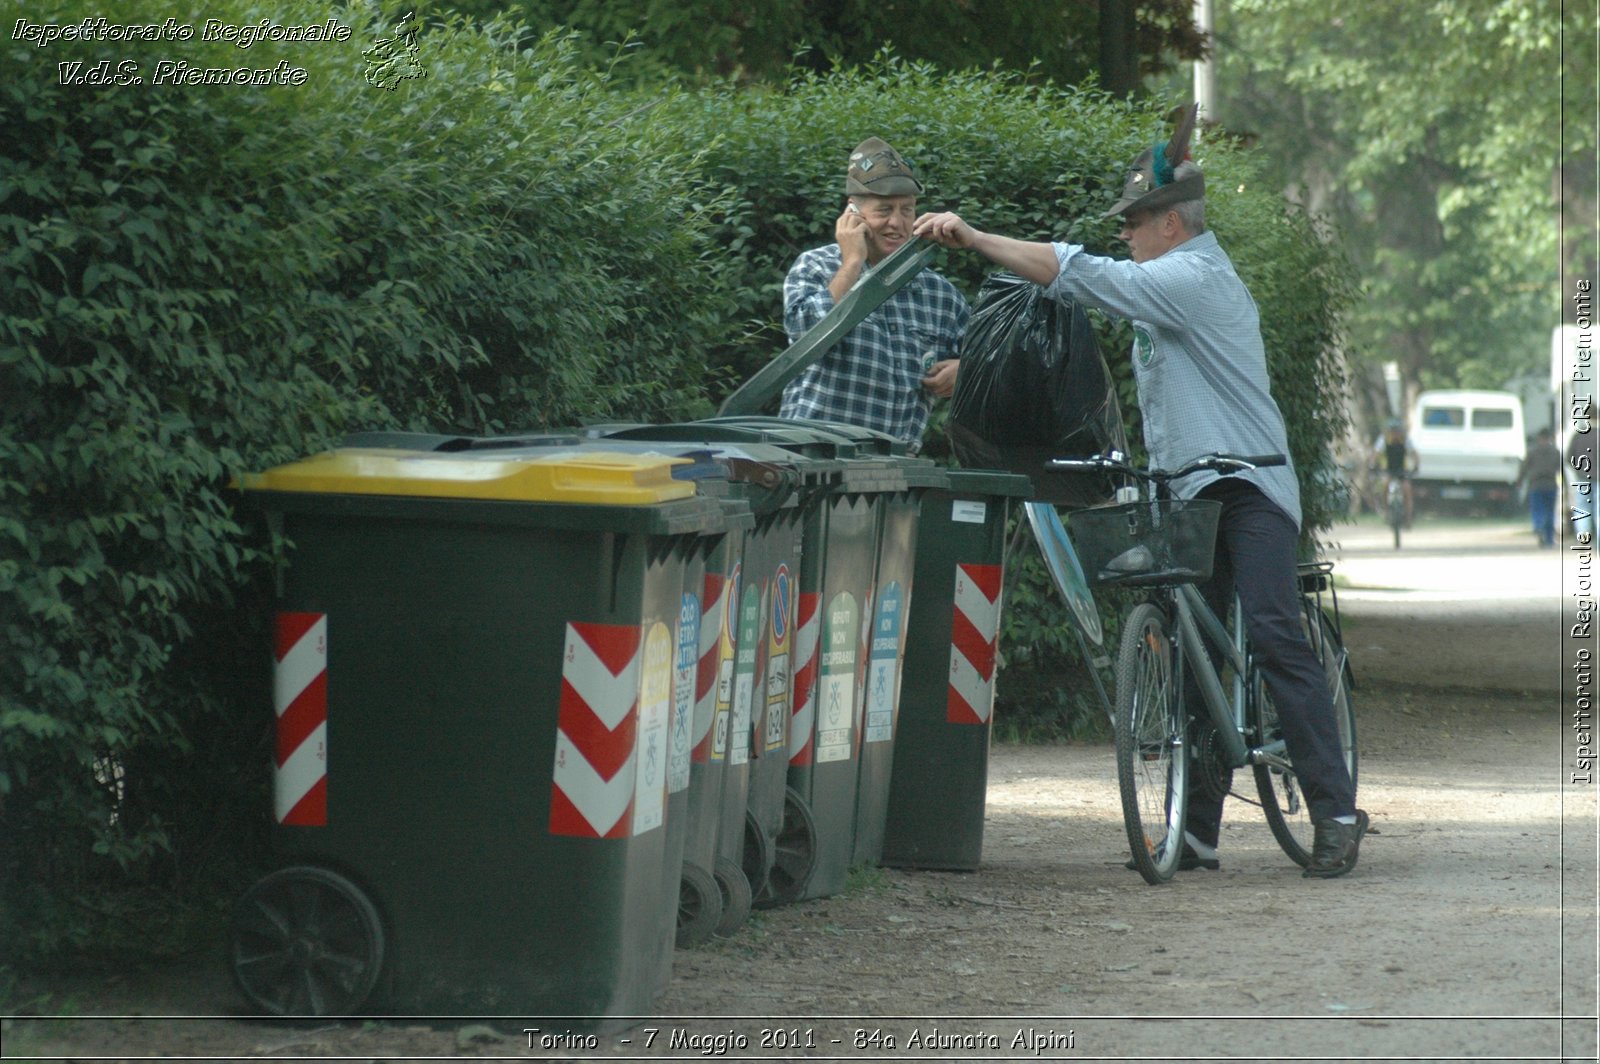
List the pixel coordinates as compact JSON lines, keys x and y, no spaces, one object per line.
{"x":201,"y":281}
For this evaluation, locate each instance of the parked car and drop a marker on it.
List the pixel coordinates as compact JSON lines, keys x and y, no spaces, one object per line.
{"x":1470,"y":446}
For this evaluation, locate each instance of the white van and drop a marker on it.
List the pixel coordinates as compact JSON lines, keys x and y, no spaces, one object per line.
{"x":1470,"y":447}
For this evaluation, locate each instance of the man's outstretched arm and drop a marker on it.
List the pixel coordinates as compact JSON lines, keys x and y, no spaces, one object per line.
{"x":1029,"y":260}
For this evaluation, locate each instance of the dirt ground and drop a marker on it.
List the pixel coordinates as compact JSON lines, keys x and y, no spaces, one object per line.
{"x":1468,"y":929}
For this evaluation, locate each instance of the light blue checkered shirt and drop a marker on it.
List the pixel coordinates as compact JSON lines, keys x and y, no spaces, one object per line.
{"x":1197,"y":357}
{"x":873,"y":376}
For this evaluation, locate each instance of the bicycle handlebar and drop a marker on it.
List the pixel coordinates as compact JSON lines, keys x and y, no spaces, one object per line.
{"x":1116,"y":462}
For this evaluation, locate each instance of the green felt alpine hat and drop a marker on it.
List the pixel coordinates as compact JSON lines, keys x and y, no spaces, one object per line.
{"x":878,"y":170}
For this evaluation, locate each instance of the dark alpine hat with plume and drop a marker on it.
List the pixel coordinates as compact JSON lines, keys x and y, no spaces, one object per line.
{"x":1152,"y":183}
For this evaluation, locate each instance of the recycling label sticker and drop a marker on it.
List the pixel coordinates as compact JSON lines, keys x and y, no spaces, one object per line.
{"x":683,"y":700}
{"x":744,"y":675}
{"x":837,"y":683}
{"x":883,"y":666}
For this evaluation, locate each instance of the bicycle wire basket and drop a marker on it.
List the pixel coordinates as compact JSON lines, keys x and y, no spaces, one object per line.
{"x":1151,"y":543}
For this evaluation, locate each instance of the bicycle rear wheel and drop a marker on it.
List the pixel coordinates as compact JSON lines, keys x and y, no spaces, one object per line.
{"x":1152,"y":759}
{"x":1282,"y":799}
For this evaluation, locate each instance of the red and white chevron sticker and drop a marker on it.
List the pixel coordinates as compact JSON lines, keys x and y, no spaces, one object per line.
{"x":592,"y":788}
{"x":803,"y":718}
{"x":300,"y":698}
{"x":974,"y":632}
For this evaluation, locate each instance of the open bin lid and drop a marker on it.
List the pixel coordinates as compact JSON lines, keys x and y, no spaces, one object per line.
{"x":869,"y":292}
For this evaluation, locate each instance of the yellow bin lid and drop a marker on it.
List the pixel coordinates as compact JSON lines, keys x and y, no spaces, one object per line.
{"x":595,"y":477}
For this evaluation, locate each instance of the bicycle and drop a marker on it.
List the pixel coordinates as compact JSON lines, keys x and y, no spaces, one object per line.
{"x":1395,"y":506}
{"x":1164,"y":544}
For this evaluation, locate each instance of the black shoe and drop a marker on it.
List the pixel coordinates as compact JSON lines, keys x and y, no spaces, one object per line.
{"x":1188,"y":861}
{"x":1335,"y":847}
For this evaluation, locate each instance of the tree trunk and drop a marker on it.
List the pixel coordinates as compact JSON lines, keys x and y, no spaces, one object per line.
{"x":1575,"y":192}
{"x":1119,"y":55}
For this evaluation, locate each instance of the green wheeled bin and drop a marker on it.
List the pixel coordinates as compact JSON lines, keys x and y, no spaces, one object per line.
{"x":937,"y":794}
{"x":475,"y":670}
{"x":897,"y":503}
{"x":711,"y":794}
{"x":781,"y":487}
{"x":838,"y":605}
{"x":894,"y":580}
{"x":713,"y":895}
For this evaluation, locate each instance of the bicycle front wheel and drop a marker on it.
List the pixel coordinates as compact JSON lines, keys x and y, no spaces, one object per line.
{"x":1397,"y":513}
{"x":1282,"y":799}
{"x":1152,"y":759}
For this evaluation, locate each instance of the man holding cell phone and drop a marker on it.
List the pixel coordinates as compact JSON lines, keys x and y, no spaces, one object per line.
{"x":885,"y":373}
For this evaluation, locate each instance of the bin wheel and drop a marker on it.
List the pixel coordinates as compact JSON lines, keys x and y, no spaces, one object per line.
{"x":305,"y":941}
{"x":795,"y":855}
{"x":735,"y":891}
{"x":699,"y":905}
{"x":758,"y":854}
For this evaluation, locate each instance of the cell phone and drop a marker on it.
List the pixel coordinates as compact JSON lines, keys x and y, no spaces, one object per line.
{"x":853,"y":208}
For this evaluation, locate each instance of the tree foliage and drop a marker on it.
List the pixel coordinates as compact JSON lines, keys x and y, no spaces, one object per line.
{"x":765,"y":42}
{"x":1430,"y":135}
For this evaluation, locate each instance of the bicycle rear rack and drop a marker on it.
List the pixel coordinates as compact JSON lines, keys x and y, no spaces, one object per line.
{"x":1316,"y":578}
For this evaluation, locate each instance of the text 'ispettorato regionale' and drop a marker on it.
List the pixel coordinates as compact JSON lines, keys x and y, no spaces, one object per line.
{"x":177,"y":71}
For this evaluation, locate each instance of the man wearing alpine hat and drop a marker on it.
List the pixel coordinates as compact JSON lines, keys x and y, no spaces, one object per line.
{"x":1200,"y":366}
{"x":885,"y":372}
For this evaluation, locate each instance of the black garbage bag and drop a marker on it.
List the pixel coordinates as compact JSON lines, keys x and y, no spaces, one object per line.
{"x":1034,"y":386}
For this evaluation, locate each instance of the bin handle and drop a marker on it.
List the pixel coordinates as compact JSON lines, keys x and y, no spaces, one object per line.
{"x":774,"y":482}
{"x":762,"y":474}
{"x":865,"y":296}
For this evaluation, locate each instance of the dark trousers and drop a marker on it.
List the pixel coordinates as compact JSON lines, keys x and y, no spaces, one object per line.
{"x":1256,"y":544}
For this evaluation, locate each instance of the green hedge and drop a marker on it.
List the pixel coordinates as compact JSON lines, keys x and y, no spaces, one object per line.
{"x":201,"y":281}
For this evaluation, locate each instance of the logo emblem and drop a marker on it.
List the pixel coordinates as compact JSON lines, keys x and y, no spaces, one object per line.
{"x":1144,"y":349}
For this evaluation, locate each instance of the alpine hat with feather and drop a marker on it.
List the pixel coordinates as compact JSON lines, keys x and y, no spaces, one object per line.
{"x":1152,"y":182}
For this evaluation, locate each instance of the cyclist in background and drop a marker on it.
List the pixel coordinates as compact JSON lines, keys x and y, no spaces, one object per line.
{"x":1201,"y":370}
{"x":1396,"y":456}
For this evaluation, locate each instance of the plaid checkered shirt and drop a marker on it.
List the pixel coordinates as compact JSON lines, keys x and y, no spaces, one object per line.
{"x":873,"y":376}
